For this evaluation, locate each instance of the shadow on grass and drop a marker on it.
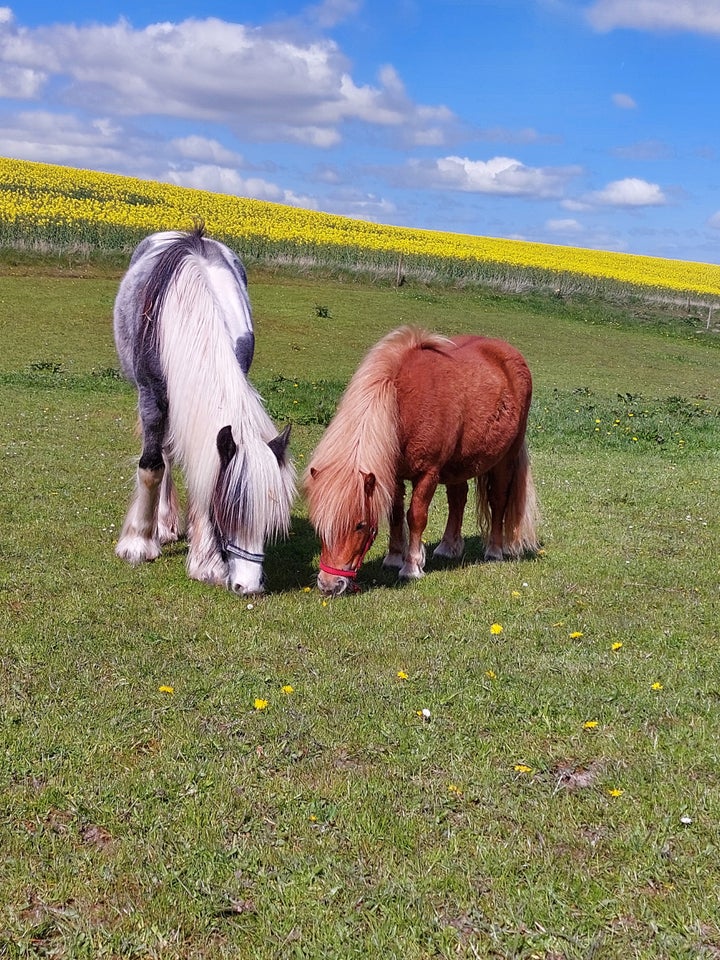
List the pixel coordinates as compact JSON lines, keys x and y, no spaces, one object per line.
{"x":291,"y":564}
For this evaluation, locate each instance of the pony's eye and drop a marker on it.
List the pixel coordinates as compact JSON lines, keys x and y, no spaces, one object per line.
{"x":361,"y":525}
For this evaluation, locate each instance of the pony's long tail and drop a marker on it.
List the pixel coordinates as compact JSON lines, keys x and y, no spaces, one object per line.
{"x":522,"y":514}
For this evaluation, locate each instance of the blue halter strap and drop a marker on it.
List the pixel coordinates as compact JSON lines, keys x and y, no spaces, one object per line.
{"x":233,"y":550}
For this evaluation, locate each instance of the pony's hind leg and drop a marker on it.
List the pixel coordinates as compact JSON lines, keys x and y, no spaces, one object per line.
{"x":139,"y":539}
{"x":452,"y":545}
{"x":498,"y":491}
{"x":168,"y":517}
{"x":495,"y":488}
{"x":398,"y":540}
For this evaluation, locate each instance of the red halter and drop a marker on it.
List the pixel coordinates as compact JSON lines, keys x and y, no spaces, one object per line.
{"x":352,"y":573}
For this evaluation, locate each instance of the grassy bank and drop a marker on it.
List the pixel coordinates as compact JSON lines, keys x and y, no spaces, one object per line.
{"x":562,"y":799}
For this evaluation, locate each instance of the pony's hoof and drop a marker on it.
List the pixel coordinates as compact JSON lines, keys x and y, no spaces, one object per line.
{"x":169,"y":532}
{"x":449,"y":551}
{"x":136,"y":550}
{"x":393,"y":561}
{"x":411,"y":571}
{"x":492,"y":555}
{"x":215,"y":573}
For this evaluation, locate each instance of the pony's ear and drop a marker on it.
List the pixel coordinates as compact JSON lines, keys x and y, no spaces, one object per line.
{"x":227,"y":448}
{"x":244,"y":350}
{"x":279,"y":445}
{"x":313,"y":472}
{"x":369,"y":484}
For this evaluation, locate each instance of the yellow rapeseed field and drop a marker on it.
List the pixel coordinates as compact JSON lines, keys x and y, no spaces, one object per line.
{"x":63,"y":201}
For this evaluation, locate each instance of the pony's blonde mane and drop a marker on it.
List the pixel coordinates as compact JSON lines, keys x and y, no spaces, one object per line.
{"x":362,"y":438}
{"x":207,"y":390}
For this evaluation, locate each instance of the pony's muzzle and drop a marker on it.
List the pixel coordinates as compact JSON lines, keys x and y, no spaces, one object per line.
{"x":331,"y":585}
{"x":245,"y":575}
{"x":241,"y":590}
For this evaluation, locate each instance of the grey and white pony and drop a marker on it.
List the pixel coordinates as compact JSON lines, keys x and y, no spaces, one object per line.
{"x":184,"y":335}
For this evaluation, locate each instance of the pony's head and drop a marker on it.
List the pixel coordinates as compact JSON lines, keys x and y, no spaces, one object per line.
{"x":346,"y":536}
{"x":251,"y":503}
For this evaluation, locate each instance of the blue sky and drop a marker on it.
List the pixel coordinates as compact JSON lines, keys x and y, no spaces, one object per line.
{"x":591,"y":123}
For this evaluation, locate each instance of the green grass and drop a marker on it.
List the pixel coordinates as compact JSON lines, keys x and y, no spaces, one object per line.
{"x":138,"y":823}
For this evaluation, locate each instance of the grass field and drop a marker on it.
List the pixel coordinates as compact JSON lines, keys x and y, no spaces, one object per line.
{"x":562,"y":799}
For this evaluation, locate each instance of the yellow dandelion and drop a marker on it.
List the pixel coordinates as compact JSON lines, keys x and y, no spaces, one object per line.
{"x":260,"y":704}
{"x":522,"y":768}
{"x":401,"y":675}
{"x":590,"y":724}
{"x":516,"y":593}
{"x":617,"y":645}
{"x":306,"y":589}
{"x":454,"y":788}
{"x":165,"y":689}
{"x":490,"y":674}
{"x":615,"y":792}
{"x":287,"y":688}
{"x":576,"y":634}
{"x":496,"y":629}
{"x":656,"y":686}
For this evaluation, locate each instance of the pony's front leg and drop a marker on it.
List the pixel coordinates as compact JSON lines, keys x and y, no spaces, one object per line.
{"x":398,"y":540}
{"x":138,"y":538}
{"x":417,"y":516}
{"x":452,"y":545}
{"x":204,"y":561}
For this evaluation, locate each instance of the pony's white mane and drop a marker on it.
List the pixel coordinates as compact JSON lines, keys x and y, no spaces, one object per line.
{"x":362,"y":438}
{"x":207,"y":391}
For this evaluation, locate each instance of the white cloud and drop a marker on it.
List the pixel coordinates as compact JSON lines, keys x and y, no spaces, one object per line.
{"x":328,"y":13}
{"x":624,"y":101}
{"x":644,"y":150}
{"x":218,"y":179}
{"x":360,"y":206}
{"x":564,"y":226}
{"x":505,"y":135}
{"x":64,"y":139}
{"x":714,"y":221}
{"x":201,"y":149}
{"x":575,"y":205}
{"x":630,"y":192}
{"x":500,"y":175}
{"x":258,"y":82}
{"x":698,"y":16}
{"x":20,"y":83}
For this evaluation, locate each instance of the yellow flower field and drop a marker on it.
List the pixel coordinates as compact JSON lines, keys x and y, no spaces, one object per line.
{"x":64,"y":202}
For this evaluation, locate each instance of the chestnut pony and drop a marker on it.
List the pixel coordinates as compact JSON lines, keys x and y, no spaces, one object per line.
{"x":429,"y":410}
